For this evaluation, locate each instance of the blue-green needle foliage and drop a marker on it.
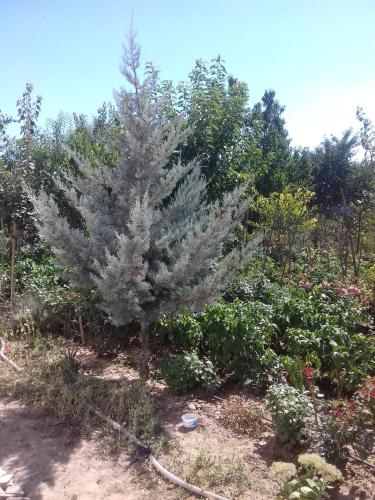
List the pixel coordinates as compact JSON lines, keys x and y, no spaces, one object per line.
{"x":149,"y":240}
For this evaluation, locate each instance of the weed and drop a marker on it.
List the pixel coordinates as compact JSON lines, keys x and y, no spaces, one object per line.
{"x":243,"y":416}
{"x":226,"y":475}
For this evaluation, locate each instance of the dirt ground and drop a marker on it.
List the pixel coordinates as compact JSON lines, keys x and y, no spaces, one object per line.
{"x":50,"y":461}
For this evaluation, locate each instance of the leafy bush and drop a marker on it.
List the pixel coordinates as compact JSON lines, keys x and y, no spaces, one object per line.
{"x":183,"y":331}
{"x":44,"y":295}
{"x":342,"y":424}
{"x":236,"y":337}
{"x":237,"y":334}
{"x":319,"y":327}
{"x":280,"y":328}
{"x":346,"y":357}
{"x":186,"y":371}
{"x":291,"y":410}
{"x":316,"y":307}
{"x":239,"y":290}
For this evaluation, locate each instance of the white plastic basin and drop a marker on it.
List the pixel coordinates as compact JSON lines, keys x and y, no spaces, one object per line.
{"x":190,"y":420}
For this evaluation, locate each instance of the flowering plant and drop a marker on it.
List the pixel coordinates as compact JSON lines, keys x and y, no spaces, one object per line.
{"x":342,"y":424}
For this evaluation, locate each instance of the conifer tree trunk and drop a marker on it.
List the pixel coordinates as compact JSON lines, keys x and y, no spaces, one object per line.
{"x":144,"y":369}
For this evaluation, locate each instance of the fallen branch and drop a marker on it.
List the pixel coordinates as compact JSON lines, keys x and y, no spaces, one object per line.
{"x":362,"y":461}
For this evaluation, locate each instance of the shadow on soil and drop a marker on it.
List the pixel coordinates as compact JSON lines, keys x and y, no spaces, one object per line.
{"x":37,"y":447}
{"x":33,"y":445}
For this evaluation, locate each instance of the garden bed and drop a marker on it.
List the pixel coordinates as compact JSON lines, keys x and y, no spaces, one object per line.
{"x":50,"y":459}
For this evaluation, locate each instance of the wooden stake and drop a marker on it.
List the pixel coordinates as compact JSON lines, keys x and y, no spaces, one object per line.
{"x":81,"y":330}
{"x":12,"y":265}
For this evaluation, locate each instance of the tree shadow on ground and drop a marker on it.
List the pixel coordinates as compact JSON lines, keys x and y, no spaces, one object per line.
{"x":270,"y":449}
{"x":43,"y":450}
{"x":33,"y":445}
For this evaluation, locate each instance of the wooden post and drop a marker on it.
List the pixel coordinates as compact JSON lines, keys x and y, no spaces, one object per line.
{"x":144,"y":369}
{"x":12,"y":265}
{"x":81,"y":330}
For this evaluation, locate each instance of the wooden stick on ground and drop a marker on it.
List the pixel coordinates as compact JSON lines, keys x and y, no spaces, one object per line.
{"x":362,"y":461}
{"x":5,"y":358}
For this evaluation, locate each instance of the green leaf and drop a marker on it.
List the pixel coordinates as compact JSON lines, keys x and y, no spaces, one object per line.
{"x":306,"y":490}
{"x":311,"y":482}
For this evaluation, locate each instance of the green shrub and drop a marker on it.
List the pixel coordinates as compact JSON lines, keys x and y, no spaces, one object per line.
{"x":240,"y":289}
{"x":291,"y":410}
{"x":282,"y":327}
{"x":313,"y":483}
{"x":313,"y":309}
{"x":183,"y":331}
{"x":183,"y":372}
{"x":294,"y":369}
{"x":235,"y":336}
{"x":347,"y":358}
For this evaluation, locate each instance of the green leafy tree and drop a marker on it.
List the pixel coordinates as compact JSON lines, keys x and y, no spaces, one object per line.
{"x":287,"y":220}
{"x":215,"y":111}
{"x":344,"y":194}
{"x":367,"y":135}
{"x":274,"y":143}
{"x":17,"y":159}
{"x":333,"y":163}
{"x":16,"y":169}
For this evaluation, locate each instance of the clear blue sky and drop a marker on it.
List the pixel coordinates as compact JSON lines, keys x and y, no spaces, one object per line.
{"x":317,"y":54}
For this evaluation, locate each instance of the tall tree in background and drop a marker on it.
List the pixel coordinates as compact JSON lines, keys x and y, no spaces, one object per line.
{"x":333,"y":163}
{"x":17,"y":159}
{"x":17,"y":169}
{"x":274,"y":143}
{"x":367,"y":136}
{"x":214,"y":108}
{"x":344,"y":188}
{"x":150,"y":241}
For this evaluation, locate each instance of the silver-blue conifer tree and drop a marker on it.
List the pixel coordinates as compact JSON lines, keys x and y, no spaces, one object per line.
{"x":150,"y":242}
